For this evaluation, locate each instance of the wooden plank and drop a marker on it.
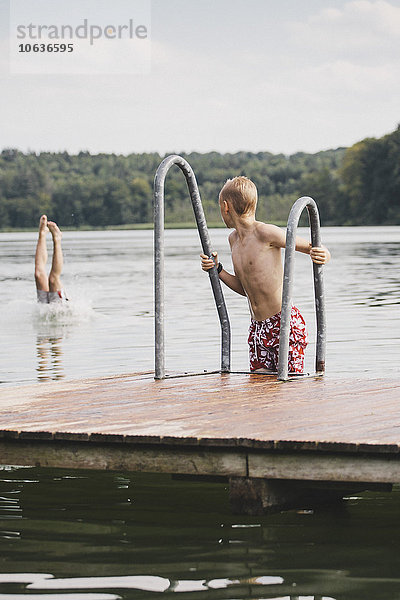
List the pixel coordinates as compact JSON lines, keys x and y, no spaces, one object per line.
{"x":253,"y":408}
{"x":191,"y":460}
{"x":114,"y":456}
{"x":276,"y":440}
{"x":231,"y":425}
{"x":320,"y":467}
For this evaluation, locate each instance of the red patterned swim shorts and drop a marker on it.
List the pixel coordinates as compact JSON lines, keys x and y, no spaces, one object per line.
{"x":264,"y":342}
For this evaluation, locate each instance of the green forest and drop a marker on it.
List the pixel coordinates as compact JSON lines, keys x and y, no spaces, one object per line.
{"x":359,"y":185}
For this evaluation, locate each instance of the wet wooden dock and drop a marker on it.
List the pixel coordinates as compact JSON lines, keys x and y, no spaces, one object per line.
{"x":239,"y":426}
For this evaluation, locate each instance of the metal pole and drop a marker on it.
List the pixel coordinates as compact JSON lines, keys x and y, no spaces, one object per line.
{"x":319,"y":295}
{"x":159,"y":328}
{"x":159,"y":262}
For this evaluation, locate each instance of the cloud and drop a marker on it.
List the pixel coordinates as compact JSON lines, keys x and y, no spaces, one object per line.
{"x":363,"y":30}
{"x":349,"y":56}
{"x":361,"y":79}
{"x":308,"y":78}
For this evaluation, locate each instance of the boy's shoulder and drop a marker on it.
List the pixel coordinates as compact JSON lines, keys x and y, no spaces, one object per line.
{"x":266,"y":226}
{"x":268,"y":232}
{"x":232,"y":236}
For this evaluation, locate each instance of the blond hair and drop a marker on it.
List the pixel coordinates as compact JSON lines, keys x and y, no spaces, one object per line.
{"x":241,"y":193}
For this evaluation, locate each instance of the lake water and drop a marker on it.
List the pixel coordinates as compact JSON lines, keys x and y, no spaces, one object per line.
{"x":103,"y":536}
{"x":79,"y":535}
{"x":107,"y":327}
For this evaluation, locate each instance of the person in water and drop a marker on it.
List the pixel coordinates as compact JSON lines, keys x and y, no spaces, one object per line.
{"x":258,"y":274}
{"x":49,"y":288}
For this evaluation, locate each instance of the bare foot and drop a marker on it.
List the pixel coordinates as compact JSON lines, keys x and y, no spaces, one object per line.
{"x":43,"y":229}
{"x":54,"y":230}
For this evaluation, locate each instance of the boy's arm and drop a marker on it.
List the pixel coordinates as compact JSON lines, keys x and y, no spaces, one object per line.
{"x":319,"y":255}
{"x":232,"y":281}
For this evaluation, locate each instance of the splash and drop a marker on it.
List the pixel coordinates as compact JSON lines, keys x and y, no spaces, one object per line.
{"x":73,"y":312}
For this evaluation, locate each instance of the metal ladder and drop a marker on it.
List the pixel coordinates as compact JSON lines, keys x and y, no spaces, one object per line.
{"x":159,"y":180}
{"x":293,"y":221}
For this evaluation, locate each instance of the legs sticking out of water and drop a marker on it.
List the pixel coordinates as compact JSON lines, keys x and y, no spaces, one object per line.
{"x":51,"y":283}
{"x":57,"y":262}
{"x":42,"y":283}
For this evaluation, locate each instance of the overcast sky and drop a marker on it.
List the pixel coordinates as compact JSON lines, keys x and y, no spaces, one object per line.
{"x":226,"y":75}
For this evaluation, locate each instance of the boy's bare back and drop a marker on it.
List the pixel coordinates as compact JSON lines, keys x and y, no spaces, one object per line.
{"x":256,"y":251}
{"x":256,"y":257}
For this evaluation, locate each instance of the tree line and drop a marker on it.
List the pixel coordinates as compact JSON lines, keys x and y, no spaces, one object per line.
{"x":359,"y":185}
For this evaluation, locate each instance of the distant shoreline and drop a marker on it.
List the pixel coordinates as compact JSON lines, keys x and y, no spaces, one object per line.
{"x":149,"y":226}
{"x":133,"y":226}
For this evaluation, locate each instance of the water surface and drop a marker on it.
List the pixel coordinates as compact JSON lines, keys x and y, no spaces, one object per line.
{"x":98,"y":535}
{"x":107,"y":327}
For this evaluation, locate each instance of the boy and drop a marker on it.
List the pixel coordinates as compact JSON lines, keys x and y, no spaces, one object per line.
{"x":49,"y":289}
{"x":256,"y":256}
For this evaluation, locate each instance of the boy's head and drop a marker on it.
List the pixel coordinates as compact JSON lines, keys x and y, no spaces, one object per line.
{"x":241,"y":194}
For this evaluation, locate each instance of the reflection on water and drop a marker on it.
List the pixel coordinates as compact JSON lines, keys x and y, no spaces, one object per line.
{"x":94,"y":535}
{"x":49,"y":354}
{"x":53,"y":324}
{"x":150,"y":583}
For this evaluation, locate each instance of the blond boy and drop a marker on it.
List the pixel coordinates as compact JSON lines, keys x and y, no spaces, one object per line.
{"x":258,"y":274}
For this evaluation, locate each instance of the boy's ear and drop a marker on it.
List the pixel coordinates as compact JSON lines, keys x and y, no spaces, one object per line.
{"x":225,"y":206}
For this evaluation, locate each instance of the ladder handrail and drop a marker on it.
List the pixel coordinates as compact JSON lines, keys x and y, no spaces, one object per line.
{"x":159,"y":180}
{"x":293,"y":221}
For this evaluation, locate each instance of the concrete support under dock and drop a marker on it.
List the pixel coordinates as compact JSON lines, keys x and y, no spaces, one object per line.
{"x":259,"y":496}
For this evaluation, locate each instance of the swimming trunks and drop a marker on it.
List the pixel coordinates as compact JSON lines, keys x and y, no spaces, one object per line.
{"x":50,"y":297}
{"x":264,"y":342}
